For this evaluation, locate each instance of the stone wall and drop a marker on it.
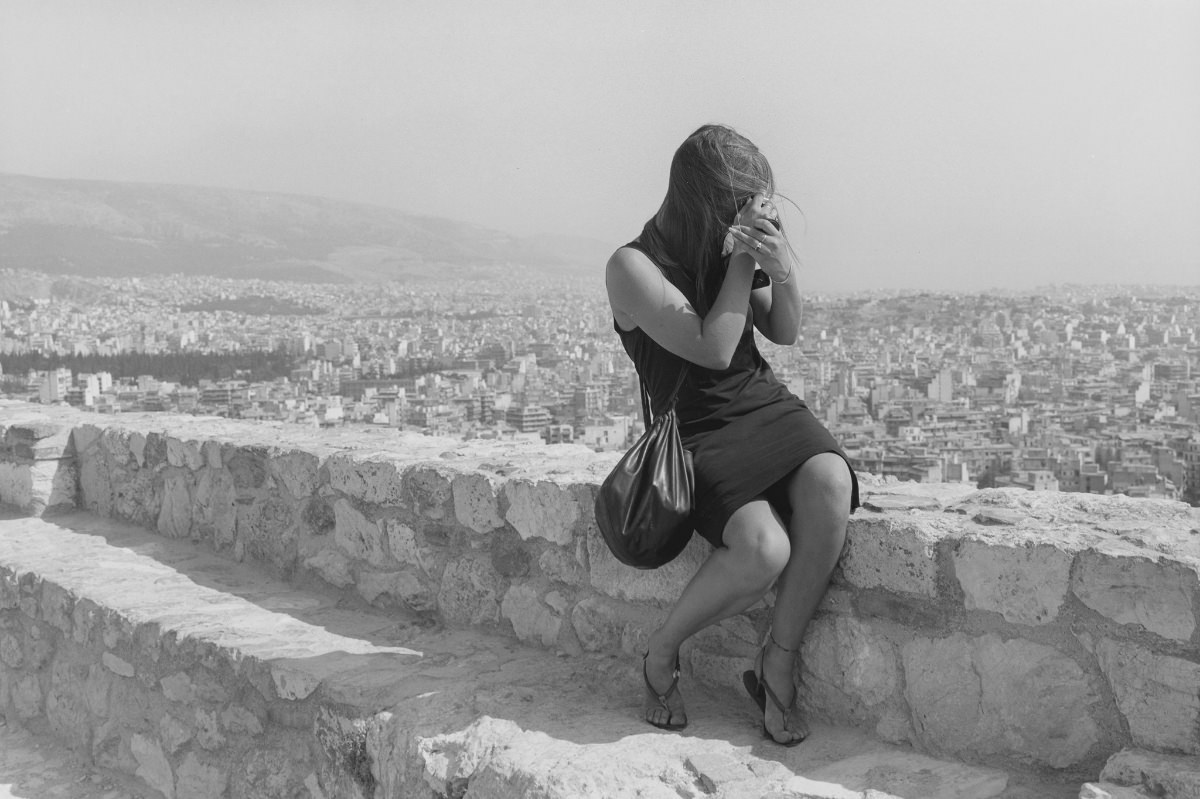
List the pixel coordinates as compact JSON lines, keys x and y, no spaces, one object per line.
{"x":1000,"y":626}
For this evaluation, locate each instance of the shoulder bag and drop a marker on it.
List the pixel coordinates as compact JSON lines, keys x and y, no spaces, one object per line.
{"x":644,"y":506}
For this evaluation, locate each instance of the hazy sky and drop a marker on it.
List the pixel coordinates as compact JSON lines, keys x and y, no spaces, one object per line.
{"x":952,"y":144}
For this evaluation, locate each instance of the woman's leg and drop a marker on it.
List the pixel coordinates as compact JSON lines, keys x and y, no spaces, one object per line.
{"x":729,"y":581}
{"x":819,"y":492}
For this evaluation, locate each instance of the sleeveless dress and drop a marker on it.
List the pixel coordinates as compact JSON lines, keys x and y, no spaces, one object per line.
{"x":745,"y":430}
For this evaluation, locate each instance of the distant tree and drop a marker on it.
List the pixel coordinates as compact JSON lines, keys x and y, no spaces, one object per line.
{"x":987,"y":479}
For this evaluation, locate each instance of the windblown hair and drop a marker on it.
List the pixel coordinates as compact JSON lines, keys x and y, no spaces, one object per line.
{"x":713,"y":173}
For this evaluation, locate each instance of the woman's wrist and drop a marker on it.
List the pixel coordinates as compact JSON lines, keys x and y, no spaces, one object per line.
{"x":785,"y":278}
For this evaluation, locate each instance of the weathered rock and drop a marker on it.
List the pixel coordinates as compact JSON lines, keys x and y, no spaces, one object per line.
{"x":396,"y":588}
{"x":470,"y":591}
{"x":296,"y":471}
{"x":359,"y":537}
{"x":1108,"y":790}
{"x":1159,"y":775}
{"x":199,"y":780}
{"x":476,"y":502}
{"x":985,"y":695}
{"x":1156,"y":694}
{"x":153,"y":766}
{"x":1024,"y":584}
{"x":850,"y":670}
{"x":893,"y":553}
{"x":541,"y":509}
{"x":175,"y":516}
{"x":1130,"y":588}
{"x":332,"y":566}
{"x":531,"y":620}
{"x":429,"y":491}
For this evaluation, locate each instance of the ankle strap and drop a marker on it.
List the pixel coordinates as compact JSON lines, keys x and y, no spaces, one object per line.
{"x":771,"y":637}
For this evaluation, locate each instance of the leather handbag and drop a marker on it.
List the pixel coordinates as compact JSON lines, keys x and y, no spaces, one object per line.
{"x":644,"y":506}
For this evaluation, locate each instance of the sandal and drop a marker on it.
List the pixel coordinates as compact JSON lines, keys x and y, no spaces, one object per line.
{"x":756,"y":685}
{"x":655,"y":702}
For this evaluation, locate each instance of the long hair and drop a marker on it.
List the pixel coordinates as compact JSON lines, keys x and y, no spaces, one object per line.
{"x":713,"y":173}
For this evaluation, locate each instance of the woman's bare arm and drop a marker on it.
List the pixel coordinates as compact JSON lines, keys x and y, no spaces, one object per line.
{"x":641,"y":296}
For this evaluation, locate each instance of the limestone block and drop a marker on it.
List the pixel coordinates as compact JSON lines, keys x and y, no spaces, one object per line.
{"x":216,"y":513}
{"x":376,"y":482}
{"x":542,"y":509}
{"x":272,"y":772}
{"x":598,"y":625}
{"x":116,"y":665}
{"x":987,"y":696}
{"x":239,"y":720}
{"x":293,"y":682}
{"x":408,"y":548}
{"x":85,"y":621}
{"x":136,"y":444}
{"x":184,"y":454}
{"x":57,"y":607}
{"x":111,"y":747}
{"x":403,"y":588}
{"x":895,"y":553}
{"x":153,"y":766}
{"x":663,"y":585}
{"x":173,"y":733}
{"x":429,"y":492}
{"x":1156,"y":593}
{"x":16,"y":485}
{"x":476,"y":502}
{"x":208,"y":731}
{"x":1167,"y":776}
{"x":1024,"y":584}
{"x":267,"y":530}
{"x":177,"y":687}
{"x":1156,"y":694}
{"x":296,"y":471}
{"x":83,"y":438}
{"x":95,"y":483}
{"x":942,"y":689}
{"x":849,"y":669}
{"x":332,"y":566}
{"x":357,"y":536}
{"x":470,"y":591}
{"x":10,"y":590}
{"x":532,"y":621}
{"x":510,"y":557}
{"x":559,"y":564}
{"x":212,"y":454}
{"x":95,"y":690}
{"x":27,"y":696}
{"x":65,"y":709}
{"x":11,"y":653}
{"x":1036,"y":702}
{"x":175,"y":515}
{"x":199,"y":780}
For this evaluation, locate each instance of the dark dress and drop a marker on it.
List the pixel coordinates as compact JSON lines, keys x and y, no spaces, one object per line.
{"x":745,"y":430}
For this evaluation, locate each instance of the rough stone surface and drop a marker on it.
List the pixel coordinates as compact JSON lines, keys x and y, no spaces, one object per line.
{"x":896,"y":554}
{"x":1156,"y":694}
{"x":1133,"y":589}
{"x":530,"y":618}
{"x":1024,"y":584}
{"x":542,"y":509}
{"x":153,"y":766}
{"x":359,"y":537}
{"x":470,"y":592}
{"x":476,"y":503}
{"x":1166,"y":776}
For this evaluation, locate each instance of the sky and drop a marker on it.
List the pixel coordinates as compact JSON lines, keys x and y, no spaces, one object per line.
{"x":943,"y":145}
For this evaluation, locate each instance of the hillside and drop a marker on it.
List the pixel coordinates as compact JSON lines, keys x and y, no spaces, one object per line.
{"x":102,"y":228}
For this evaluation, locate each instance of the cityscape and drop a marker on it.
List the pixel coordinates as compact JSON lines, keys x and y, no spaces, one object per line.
{"x":1077,"y":388}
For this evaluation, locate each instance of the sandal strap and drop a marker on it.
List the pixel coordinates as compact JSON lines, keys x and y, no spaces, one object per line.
{"x":771,"y":637}
{"x":662,"y":698}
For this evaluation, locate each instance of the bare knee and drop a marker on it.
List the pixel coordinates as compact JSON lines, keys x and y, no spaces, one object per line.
{"x":761,"y":551}
{"x":824,"y":481}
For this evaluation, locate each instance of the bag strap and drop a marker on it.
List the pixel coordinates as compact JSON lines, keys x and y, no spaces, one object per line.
{"x":670,"y":403}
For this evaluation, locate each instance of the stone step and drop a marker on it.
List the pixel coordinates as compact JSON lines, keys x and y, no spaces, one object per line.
{"x":206,"y":679}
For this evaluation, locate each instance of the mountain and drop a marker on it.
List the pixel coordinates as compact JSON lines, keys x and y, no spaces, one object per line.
{"x":104,"y":228}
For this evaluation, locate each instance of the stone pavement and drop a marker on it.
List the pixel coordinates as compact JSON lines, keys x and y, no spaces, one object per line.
{"x":450,"y":712}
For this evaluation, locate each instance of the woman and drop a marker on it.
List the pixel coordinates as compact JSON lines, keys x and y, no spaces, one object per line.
{"x":773,"y":489}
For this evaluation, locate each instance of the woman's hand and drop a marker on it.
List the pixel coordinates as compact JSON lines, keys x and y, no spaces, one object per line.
{"x":756,"y":232}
